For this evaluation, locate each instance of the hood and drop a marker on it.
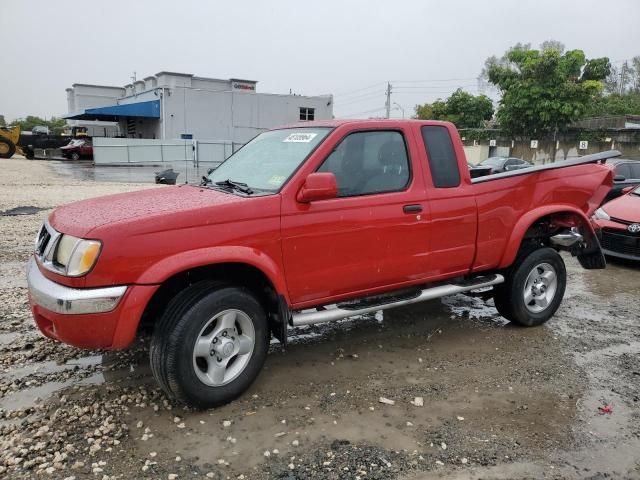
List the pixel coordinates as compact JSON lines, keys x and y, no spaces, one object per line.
{"x":626,"y":207}
{"x":80,"y":218}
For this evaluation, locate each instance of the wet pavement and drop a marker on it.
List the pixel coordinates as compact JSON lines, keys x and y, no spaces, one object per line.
{"x":85,"y":170}
{"x":499,"y":402}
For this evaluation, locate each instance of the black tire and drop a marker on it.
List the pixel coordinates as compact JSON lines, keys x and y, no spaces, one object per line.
{"x":173,"y":343}
{"x":509,"y":297}
{"x":7,"y":148}
{"x":75,"y":156}
{"x":29,"y":153}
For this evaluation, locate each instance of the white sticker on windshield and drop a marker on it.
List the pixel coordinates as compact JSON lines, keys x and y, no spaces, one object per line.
{"x":300,"y":137}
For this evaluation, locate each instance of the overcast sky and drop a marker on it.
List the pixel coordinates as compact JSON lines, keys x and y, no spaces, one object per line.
{"x":351,"y":48}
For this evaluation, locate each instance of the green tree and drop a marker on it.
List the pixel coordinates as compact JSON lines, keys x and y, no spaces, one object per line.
{"x":56,"y":125}
{"x":615,"y":104}
{"x":545,"y":90}
{"x":3,"y":122}
{"x":461,"y":108}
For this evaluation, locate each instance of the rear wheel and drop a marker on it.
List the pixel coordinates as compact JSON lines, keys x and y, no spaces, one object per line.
{"x":533,"y":288}
{"x":7,"y":148}
{"x":209,"y":345}
{"x":75,"y":156}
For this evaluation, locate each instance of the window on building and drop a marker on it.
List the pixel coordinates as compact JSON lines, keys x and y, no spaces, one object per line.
{"x":369,"y":162}
{"x":443,"y":162}
{"x":307,"y":114}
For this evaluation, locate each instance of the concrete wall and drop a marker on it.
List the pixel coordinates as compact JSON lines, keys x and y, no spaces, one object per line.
{"x":565,"y":147}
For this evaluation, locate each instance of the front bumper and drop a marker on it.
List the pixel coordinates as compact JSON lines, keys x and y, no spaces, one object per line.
{"x":70,"y":301}
{"x":617,"y":242}
{"x":87,"y":317}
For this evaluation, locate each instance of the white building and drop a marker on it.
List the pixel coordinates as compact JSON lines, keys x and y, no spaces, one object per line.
{"x":172,"y":105}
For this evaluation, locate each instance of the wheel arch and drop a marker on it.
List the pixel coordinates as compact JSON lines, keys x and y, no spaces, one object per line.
{"x":540,"y":224}
{"x":240,"y":266}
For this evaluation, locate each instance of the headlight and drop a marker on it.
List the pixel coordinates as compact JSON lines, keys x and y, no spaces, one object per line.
{"x":600,"y":214}
{"x":75,"y":255}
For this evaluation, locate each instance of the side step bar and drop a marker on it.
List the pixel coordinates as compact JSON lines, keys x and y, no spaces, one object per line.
{"x":334,"y":312}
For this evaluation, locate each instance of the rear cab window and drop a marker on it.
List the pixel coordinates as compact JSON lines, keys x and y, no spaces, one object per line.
{"x":441,"y":155}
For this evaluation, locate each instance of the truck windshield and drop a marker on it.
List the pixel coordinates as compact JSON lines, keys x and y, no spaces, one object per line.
{"x":266,"y":162}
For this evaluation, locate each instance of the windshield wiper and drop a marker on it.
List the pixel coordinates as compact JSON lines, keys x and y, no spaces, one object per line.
{"x":241,"y":187}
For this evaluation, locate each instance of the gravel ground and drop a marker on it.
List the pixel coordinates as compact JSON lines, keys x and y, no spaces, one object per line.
{"x":446,"y":389}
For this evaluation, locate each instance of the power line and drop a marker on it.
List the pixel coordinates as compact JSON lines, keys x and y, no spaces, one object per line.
{"x":434,"y":86}
{"x":436,"y":80}
{"x":345,"y":94}
{"x":362,"y":113}
{"x":359,"y":99}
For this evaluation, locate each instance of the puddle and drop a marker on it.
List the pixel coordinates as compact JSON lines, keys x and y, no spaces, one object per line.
{"x":187,"y":173}
{"x":22,"y":210}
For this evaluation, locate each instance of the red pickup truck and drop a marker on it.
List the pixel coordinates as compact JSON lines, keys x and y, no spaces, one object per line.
{"x":308,"y":223}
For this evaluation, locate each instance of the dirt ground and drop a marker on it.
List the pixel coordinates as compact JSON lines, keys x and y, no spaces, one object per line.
{"x":499,"y":402}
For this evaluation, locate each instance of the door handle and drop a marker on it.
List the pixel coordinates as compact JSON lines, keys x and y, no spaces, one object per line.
{"x":415,"y":208}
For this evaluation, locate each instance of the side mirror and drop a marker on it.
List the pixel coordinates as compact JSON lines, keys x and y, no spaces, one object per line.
{"x":619,"y":178}
{"x":626,"y":190}
{"x":318,"y":186}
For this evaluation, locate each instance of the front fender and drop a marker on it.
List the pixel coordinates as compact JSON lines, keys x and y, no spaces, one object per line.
{"x":174,"y":264}
{"x":531,"y":217}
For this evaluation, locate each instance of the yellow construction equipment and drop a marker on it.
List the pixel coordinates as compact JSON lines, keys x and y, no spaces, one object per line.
{"x":9,"y":141}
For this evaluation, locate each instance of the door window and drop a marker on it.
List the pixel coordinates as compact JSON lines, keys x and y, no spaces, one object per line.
{"x":635,"y":170}
{"x":624,"y":170}
{"x":369,"y":162}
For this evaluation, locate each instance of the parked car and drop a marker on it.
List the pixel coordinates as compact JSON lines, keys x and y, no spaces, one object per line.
{"x":476,"y":171}
{"x":618,"y":225}
{"x":307,"y":224}
{"x":78,"y":148}
{"x":627,"y":174}
{"x":504,"y":164}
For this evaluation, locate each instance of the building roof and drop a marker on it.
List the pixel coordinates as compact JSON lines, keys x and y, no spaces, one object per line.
{"x":92,"y":85}
{"x":177,"y":74}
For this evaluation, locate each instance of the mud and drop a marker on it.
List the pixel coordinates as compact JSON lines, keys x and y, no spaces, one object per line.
{"x":499,"y":401}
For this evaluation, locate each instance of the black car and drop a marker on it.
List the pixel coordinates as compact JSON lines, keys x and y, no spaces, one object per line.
{"x":627,"y":174}
{"x":504,"y":164}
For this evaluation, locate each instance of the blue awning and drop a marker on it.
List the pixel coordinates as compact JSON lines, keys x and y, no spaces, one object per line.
{"x":113,"y":113}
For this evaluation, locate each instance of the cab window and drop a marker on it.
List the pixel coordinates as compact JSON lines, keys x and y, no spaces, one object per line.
{"x":369,"y":162}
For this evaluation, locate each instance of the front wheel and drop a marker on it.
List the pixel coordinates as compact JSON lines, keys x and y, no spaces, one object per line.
{"x":533,"y":288}
{"x":7,"y":148}
{"x":210,"y":344}
{"x":75,"y":156}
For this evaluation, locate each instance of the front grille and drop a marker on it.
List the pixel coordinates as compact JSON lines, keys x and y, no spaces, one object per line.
{"x":619,"y":220}
{"x":620,"y":241}
{"x":44,"y":237}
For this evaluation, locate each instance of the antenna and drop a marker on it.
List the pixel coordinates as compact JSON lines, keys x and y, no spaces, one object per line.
{"x":133,"y":77}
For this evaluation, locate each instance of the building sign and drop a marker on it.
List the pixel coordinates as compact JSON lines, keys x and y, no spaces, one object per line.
{"x":534,"y":143}
{"x":492,"y":143}
{"x":584,"y":144}
{"x":243,"y":86}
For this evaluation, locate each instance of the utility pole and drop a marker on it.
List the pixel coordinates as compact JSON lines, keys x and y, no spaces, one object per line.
{"x":622,"y":77}
{"x":388,"y":103}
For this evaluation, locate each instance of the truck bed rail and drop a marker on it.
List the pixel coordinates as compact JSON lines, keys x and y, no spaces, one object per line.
{"x":600,"y":157}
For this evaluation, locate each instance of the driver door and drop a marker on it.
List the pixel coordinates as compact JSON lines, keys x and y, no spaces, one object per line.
{"x":375,"y":234}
